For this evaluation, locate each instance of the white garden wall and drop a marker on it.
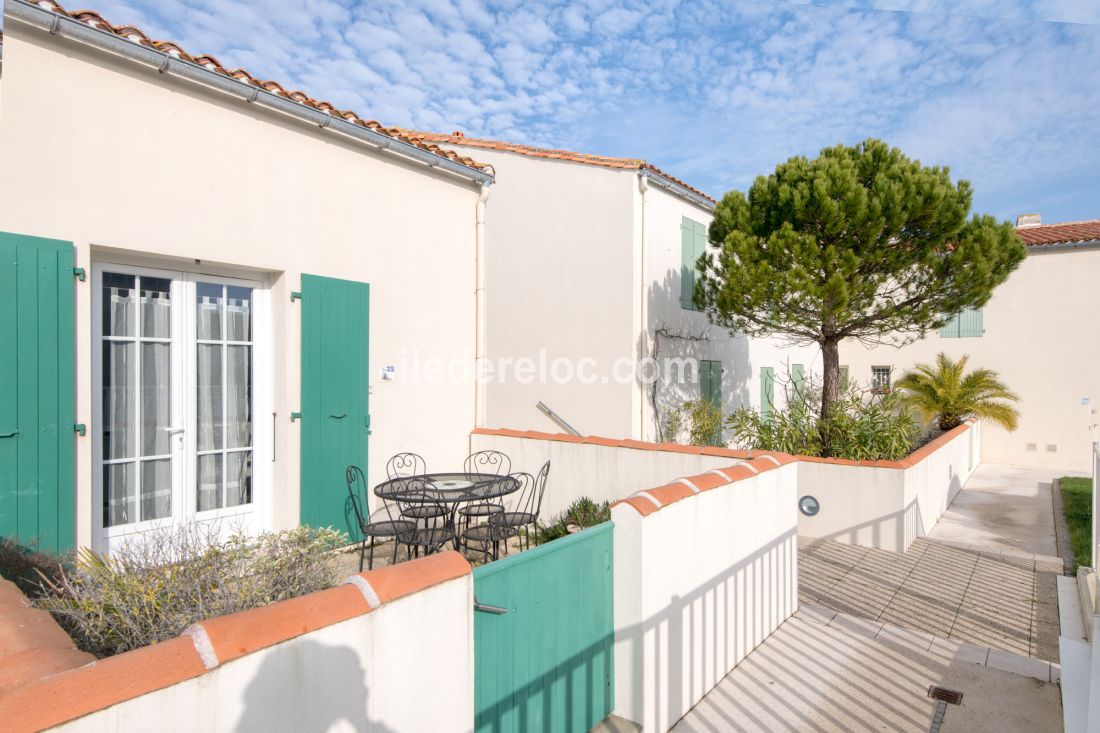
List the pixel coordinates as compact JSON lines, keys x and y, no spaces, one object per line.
{"x":357,"y":657}
{"x":888,"y":504}
{"x":603,"y":470}
{"x":700,"y":580}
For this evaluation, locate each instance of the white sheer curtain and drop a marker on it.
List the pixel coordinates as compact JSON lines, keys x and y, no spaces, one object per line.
{"x":119,"y":500}
{"x":155,"y":306}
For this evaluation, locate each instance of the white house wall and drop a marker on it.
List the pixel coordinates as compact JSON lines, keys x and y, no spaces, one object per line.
{"x":681,"y":333}
{"x":558,"y":283}
{"x":118,"y":158}
{"x":1034,"y":339}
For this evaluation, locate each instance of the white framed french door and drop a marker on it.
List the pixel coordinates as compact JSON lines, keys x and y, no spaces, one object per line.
{"x":181,"y":374}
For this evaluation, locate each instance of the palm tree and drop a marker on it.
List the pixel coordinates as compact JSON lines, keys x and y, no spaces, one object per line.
{"x":948,"y":394}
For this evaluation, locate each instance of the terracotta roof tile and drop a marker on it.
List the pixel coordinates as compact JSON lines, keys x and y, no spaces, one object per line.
{"x":1070,"y":232}
{"x":132,"y":33}
{"x":586,"y":158}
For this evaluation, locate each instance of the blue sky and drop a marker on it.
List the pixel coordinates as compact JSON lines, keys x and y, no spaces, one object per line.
{"x":1005,"y":93}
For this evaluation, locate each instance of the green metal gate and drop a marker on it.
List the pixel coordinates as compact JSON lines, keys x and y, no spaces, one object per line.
{"x":36,"y":392}
{"x":546,"y":663}
{"x":335,"y":378}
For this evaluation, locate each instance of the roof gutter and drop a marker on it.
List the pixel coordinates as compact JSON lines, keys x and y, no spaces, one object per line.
{"x":676,"y":189}
{"x":1034,"y":249}
{"x":61,"y":25}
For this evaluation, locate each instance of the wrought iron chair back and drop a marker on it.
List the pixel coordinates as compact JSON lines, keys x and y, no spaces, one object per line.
{"x":488,"y":461}
{"x":531,"y":492}
{"x":355,"y":507}
{"x":405,"y":464}
{"x":418,"y":493}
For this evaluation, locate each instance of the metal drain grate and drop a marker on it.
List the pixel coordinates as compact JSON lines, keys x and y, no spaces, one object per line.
{"x":942,"y":693}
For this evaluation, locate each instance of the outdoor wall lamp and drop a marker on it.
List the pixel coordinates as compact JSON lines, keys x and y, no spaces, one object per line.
{"x":809,"y":506}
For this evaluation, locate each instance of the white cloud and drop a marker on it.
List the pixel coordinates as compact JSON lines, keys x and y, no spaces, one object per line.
{"x":716,"y":91}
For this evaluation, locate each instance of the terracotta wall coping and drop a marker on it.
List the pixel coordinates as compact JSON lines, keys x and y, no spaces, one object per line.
{"x":57,"y":696}
{"x":648,"y":501}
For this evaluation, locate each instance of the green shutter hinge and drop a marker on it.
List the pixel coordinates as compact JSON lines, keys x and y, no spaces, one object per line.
{"x":81,"y":275}
{"x":81,"y":429}
{"x":295,"y":295}
{"x":295,"y":416}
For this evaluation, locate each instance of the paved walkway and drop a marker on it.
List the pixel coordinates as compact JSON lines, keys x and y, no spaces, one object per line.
{"x":1000,"y":599}
{"x":810,"y":676}
{"x":1007,"y":507}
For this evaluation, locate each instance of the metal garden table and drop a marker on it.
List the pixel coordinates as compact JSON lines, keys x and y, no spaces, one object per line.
{"x":451,"y":490}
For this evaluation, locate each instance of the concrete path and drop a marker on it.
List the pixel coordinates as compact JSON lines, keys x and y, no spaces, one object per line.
{"x":835,"y":676}
{"x":1000,"y":599}
{"x":1007,"y":507}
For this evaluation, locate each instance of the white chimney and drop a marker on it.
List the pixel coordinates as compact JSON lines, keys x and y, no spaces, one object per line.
{"x":1028,"y":220}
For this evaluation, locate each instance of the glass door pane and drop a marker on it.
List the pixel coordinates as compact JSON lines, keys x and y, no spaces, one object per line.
{"x":223,"y":395}
{"x":136,"y":384}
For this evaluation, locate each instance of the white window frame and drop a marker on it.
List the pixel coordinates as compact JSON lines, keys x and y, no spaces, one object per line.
{"x":251,"y":518}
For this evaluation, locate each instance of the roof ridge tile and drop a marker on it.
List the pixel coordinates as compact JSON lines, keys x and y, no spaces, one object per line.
{"x":210,"y":62}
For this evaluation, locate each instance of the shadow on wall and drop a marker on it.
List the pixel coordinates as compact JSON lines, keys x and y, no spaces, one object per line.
{"x":323,"y":684}
{"x":679,"y":332}
{"x":753,"y":591}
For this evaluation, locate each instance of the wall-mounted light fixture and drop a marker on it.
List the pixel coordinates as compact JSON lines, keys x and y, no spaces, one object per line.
{"x":809,"y":506}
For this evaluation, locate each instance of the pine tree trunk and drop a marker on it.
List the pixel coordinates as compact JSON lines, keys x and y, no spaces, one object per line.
{"x":830,"y":388}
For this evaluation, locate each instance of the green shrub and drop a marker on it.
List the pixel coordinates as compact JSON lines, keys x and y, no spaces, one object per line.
{"x":583,"y":512}
{"x":151,"y":590}
{"x":586,"y":513}
{"x":702,"y":419}
{"x":862,"y":426}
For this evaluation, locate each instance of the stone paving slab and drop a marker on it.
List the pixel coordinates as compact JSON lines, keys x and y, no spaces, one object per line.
{"x":826,"y":671}
{"x":993,"y":597}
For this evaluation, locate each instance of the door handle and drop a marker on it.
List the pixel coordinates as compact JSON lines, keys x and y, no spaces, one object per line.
{"x":12,"y":434}
{"x":486,"y":608}
{"x":341,"y":416}
{"x":173,"y":431}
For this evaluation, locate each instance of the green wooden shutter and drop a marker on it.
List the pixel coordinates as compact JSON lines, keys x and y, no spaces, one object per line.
{"x":951,"y":328}
{"x":798,"y":380}
{"x":767,"y":392}
{"x":687,"y":263}
{"x":37,"y":392}
{"x":335,"y":377}
{"x":844,"y":377}
{"x":970,"y":322}
{"x":710,"y":381}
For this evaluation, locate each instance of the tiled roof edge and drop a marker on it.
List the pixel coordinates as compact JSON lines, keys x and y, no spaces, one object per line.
{"x":569,"y":156}
{"x":135,"y":35}
{"x":81,"y":691}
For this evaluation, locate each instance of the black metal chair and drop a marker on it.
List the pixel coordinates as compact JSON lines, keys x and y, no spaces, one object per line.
{"x":407,"y":465}
{"x":486,"y":461}
{"x":392,"y":526}
{"x":418,"y":494}
{"x":488,"y":534}
{"x":526,"y":508}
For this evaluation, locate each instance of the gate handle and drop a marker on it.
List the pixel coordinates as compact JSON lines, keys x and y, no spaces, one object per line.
{"x":12,"y":434}
{"x":484,"y":608}
{"x":341,"y":416}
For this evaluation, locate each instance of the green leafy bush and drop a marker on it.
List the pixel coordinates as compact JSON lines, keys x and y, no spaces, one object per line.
{"x":583,"y":512}
{"x":586,"y":513}
{"x":152,"y":590}
{"x":861,"y":426}
{"x":702,"y":420}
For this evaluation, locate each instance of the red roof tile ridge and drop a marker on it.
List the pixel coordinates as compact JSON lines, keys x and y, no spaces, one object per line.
{"x":607,"y":161}
{"x":1068,"y":232}
{"x":136,"y":35}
